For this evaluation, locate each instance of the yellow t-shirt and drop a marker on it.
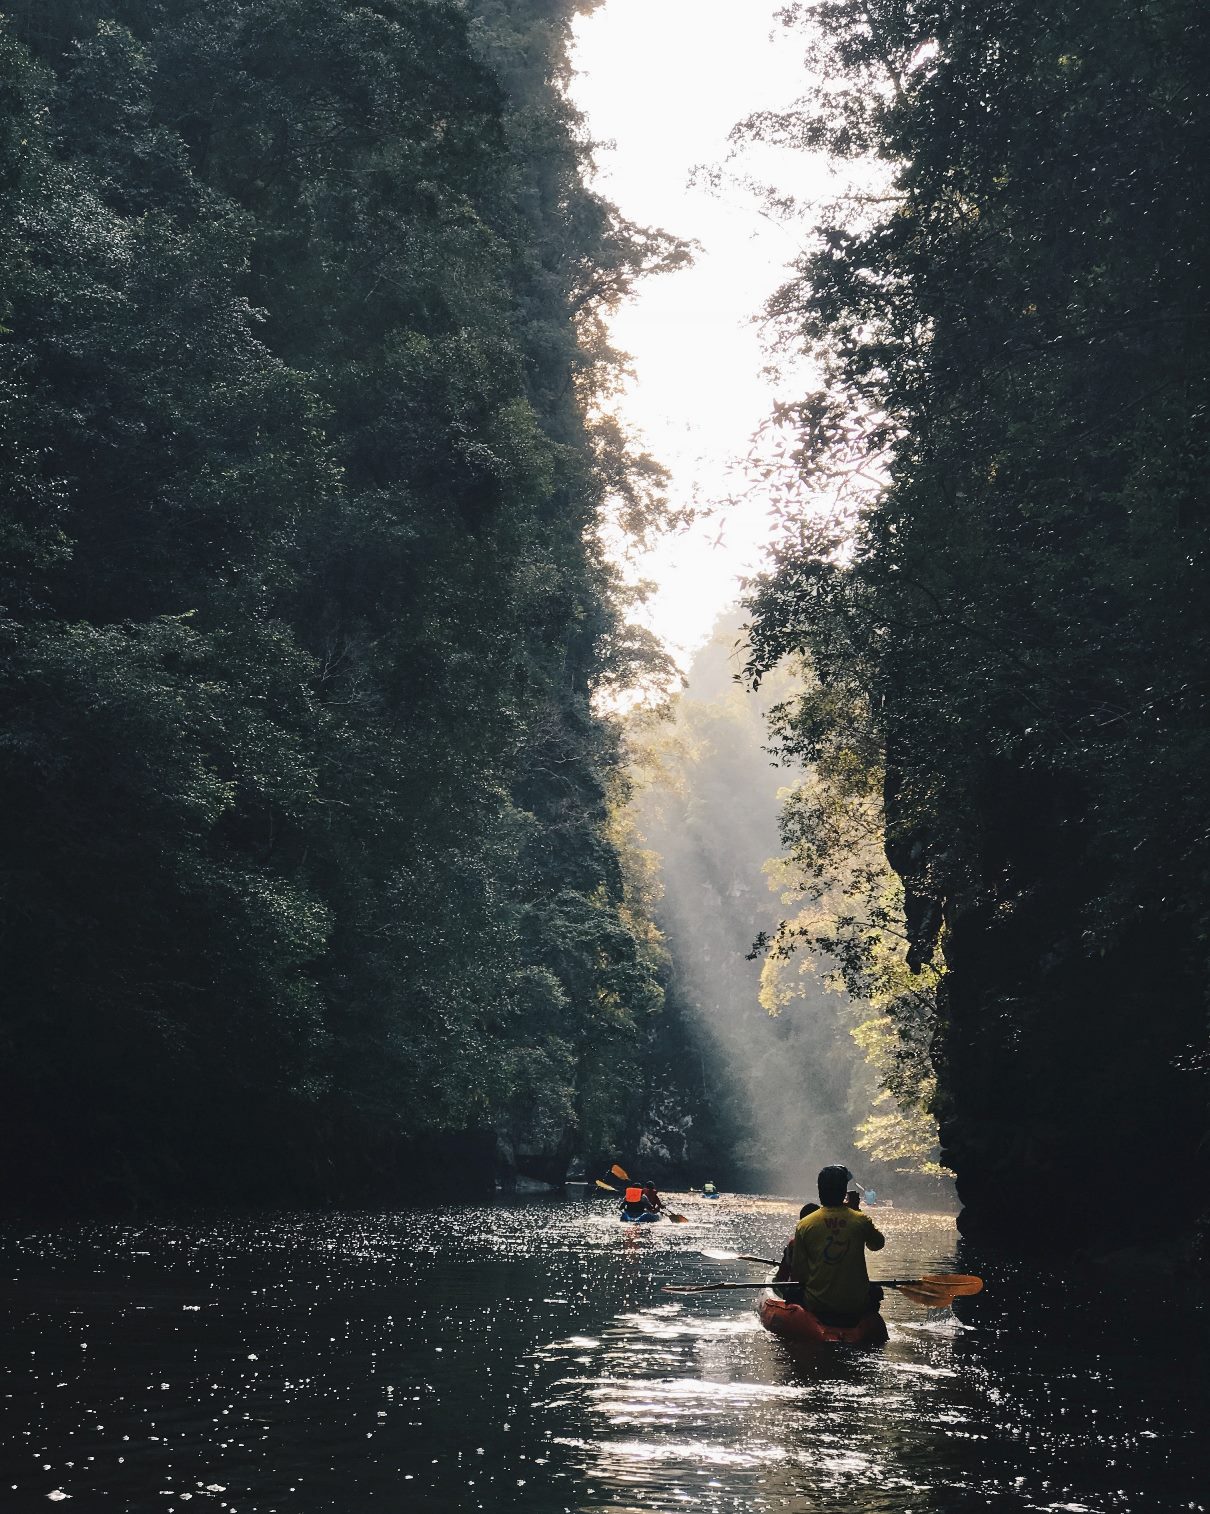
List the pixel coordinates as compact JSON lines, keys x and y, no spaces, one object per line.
{"x":829,"y":1258}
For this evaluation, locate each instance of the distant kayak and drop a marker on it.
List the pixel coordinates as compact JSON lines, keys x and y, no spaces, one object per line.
{"x":647,"y":1217}
{"x":712,"y":1195}
{"x":794,"y":1323}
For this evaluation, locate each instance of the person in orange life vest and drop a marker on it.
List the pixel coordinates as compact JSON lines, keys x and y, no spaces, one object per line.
{"x":635,"y":1202}
{"x":828,"y":1256}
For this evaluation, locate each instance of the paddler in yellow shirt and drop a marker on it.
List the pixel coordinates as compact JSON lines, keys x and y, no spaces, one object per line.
{"x":828,"y":1258}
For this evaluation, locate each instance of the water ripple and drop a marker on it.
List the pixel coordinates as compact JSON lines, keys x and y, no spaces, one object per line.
{"x":520,"y":1356}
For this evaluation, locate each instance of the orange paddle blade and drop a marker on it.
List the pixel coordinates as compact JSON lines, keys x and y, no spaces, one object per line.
{"x":964,"y":1282}
{"x":620,"y":1172}
{"x":930,"y":1298}
{"x":938,"y":1292}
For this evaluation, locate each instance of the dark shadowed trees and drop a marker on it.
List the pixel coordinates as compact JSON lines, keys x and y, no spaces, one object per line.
{"x":306,"y":847}
{"x":1011,"y":329}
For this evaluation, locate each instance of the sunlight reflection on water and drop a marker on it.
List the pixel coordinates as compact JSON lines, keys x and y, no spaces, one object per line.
{"x":521,"y":1356}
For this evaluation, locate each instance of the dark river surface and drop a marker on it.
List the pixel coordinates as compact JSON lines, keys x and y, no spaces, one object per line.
{"x":521,"y":1356}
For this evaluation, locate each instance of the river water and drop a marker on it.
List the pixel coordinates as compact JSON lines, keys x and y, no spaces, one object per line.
{"x":521,"y":1356}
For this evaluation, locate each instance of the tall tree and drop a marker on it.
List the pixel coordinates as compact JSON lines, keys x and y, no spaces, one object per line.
{"x":1009,"y":328}
{"x":306,"y":598}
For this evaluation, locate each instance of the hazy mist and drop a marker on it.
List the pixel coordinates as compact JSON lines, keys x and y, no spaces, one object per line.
{"x":792,"y":1086}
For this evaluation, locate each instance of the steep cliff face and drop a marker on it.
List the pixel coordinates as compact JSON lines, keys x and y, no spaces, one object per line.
{"x":1067,"y":1084}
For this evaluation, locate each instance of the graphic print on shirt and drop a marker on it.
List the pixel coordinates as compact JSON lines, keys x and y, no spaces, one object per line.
{"x":836,"y":1245}
{"x":836,"y":1249}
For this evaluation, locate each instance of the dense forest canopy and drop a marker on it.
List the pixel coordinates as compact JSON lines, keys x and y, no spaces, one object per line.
{"x":307,"y":848}
{"x":1010,"y":645}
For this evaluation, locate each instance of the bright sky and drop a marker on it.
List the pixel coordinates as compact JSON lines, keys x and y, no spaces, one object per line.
{"x":664,"y":81}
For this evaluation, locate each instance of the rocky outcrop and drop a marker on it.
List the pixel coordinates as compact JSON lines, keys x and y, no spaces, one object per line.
{"x":1064,"y":1051}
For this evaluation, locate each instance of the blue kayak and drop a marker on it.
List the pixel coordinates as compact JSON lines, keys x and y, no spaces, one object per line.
{"x":646,"y":1217}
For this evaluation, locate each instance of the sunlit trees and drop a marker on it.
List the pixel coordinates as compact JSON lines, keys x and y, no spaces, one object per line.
{"x":792,"y":1050}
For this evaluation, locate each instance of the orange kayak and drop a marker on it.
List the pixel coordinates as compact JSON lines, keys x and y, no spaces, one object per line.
{"x":795,"y":1323}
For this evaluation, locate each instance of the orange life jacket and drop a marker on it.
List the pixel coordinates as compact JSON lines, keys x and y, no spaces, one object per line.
{"x":633,"y":1196}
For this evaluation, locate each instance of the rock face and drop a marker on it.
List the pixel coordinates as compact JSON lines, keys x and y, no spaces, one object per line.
{"x":663,"y":1143}
{"x":530,"y":1164}
{"x":1066,"y":1086}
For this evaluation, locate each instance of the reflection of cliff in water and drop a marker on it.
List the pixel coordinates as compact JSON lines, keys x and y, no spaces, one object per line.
{"x":788,"y":1090}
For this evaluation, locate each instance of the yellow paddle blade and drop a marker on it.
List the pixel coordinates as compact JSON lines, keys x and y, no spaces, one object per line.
{"x":606,"y":1187}
{"x":678,"y":1219}
{"x":620,"y":1172}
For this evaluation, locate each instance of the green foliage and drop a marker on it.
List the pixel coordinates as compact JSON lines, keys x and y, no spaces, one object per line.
{"x":303,"y":594}
{"x":846,"y":921}
{"x":1010,"y":330}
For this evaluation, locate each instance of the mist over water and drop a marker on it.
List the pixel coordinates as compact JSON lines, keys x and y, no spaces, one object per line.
{"x":788,"y":1089}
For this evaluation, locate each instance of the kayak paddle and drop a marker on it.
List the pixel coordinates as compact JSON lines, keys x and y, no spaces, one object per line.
{"x":606,"y":1187}
{"x":956,"y":1284}
{"x":738,"y":1256}
{"x":718,"y":1287}
{"x":937,"y":1291}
